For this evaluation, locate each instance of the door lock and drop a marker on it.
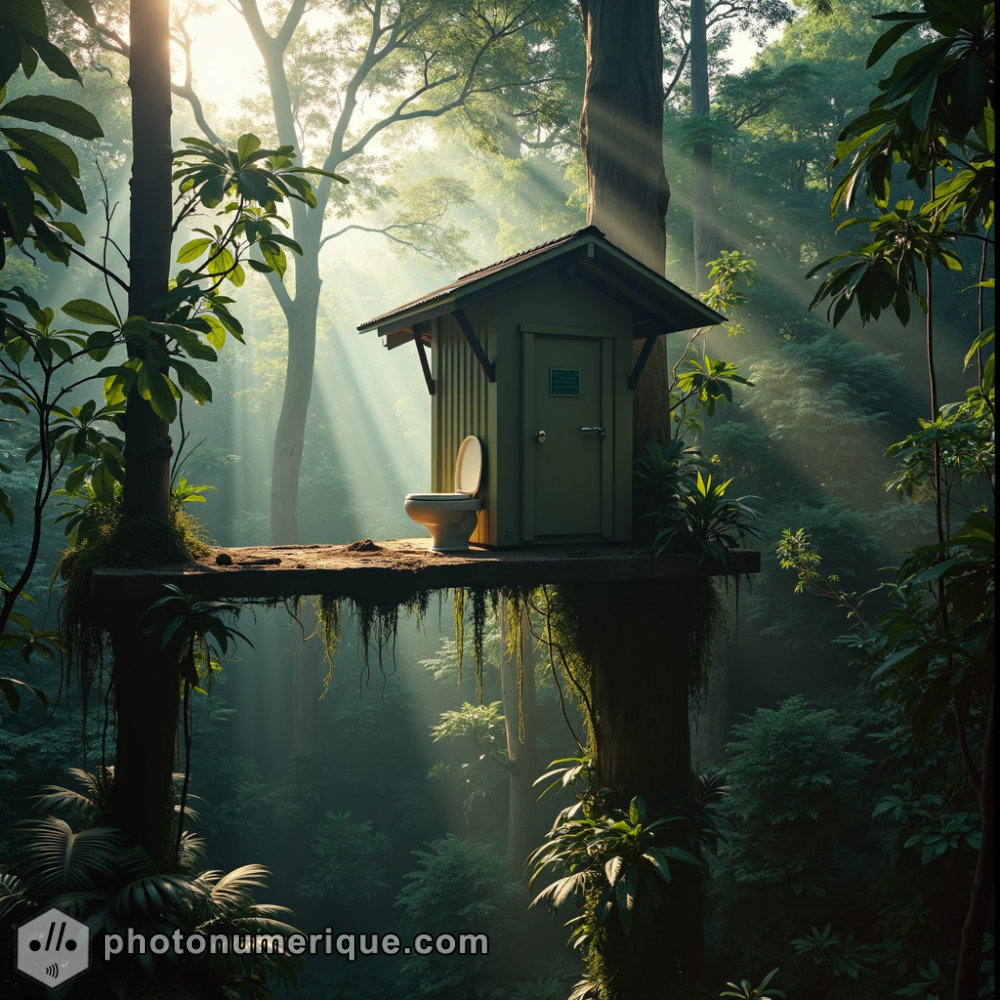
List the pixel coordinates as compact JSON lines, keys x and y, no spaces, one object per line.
{"x":540,"y":437}
{"x":599,"y":430}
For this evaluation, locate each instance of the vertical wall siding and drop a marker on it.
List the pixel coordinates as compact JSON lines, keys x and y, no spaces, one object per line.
{"x":460,"y":404}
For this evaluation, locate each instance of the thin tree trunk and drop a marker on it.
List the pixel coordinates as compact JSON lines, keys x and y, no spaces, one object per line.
{"x":519,"y":713}
{"x":147,"y":692}
{"x":289,"y":438}
{"x":621,"y":133}
{"x":970,"y":955}
{"x":148,"y":450}
{"x":703,"y":183}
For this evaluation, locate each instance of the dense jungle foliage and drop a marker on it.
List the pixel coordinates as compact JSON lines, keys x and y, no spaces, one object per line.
{"x":840,"y":816}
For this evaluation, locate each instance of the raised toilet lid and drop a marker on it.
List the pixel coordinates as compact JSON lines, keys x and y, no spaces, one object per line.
{"x":469,"y":466}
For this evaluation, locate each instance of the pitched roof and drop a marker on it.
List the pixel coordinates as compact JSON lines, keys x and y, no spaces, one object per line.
{"x":600,"y":263}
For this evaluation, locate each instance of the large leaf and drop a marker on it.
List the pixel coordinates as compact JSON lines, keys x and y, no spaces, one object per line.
{"x":57,"y":112}
{"x":16,"y":197}
{"x":53,"y":859}
{"x":56,"y":163}
{"x":156,"y":389}
{"x":88,"y":311}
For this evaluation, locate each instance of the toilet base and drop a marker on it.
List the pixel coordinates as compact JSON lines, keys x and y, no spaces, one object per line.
{"x":450,"y":522}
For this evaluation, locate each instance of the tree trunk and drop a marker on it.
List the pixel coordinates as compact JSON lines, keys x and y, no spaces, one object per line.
{"x":147,"y":687}
{"x":970,"y":954}
{"x":628,"y":195}
{"x":521,"y":756}
{"x":146,"y":498}
{"x":641,"y":648}
{"x":289,"y":438}
{"x":147,"y":702}
{"x":703,"y":185}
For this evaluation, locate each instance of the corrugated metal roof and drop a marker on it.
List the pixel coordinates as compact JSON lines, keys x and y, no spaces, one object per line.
{"x":481,"y":272}
{"x":694,"y":312}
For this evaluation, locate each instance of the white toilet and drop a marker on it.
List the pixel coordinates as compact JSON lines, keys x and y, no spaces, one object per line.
{"x":451,"y":517}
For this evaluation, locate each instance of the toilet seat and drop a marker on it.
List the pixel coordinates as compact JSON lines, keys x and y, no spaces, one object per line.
{"x":469,"y":466}
{"x":441,"y":497}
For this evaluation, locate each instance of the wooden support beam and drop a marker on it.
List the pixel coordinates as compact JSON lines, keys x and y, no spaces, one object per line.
{"x":424,"y":364}
{"x":640,"y":363}
{"x":488,"y":367}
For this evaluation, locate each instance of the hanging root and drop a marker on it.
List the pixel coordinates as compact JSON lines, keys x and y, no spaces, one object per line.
{"x":559,"y":633}
{"x":512,"y":606}
{"x":459,"y":629}
{"x":479,"y":628}
{"x":331,"y":631}
{"x":380,"y":622}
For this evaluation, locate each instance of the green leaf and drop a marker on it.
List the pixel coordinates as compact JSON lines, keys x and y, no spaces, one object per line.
{"x":53,"y":57}
{"x":889,"y":38}
{"x":72,"y":231}
{"x":193,"y":382}
{"x":9,"y":687}
{"x":274,"y":256}
{"x":192,"y":250}
{"x":16,"y":197}
{"x":103,"y":483}
{"x":55,"y":162}
{"x":57,"y":112}
{"x":82,"y":9}
{"x":88,"y":311}
{"x":245,"y":145}
{"x":155,"y":388}
{"x":220,"y":261}
{"x":100,"y":343}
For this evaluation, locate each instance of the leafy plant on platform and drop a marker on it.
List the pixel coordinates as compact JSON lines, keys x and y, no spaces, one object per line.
{"x":707,"y":522}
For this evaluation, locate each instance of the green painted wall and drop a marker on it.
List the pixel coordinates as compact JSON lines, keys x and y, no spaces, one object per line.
{"x":554,"y":303}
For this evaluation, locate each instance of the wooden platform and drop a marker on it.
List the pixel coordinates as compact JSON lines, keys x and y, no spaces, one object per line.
{"x":392,"y":572}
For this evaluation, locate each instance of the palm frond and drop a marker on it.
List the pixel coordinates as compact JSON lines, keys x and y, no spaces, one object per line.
{"x":52,"y":859}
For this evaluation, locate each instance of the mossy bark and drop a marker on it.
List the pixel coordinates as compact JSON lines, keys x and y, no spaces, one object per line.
{"x":645,"y":646}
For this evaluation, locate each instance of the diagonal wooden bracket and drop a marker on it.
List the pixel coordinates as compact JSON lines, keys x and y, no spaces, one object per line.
{"x":640,"y":362}
{"x":489,"y":368}
{"x":424,"y":364}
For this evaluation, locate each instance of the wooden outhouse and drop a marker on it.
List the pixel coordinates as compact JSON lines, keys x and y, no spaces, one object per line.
{"x":534,"y":357}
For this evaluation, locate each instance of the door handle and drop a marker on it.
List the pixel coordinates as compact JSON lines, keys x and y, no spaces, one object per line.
{"x":540,"y":437}
{"x":599,"y":430}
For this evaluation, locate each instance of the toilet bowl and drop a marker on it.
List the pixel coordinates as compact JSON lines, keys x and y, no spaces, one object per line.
{"x":451,"y":517}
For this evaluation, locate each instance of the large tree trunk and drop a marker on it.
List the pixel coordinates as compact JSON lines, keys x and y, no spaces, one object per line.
{"x":638,"y":634}
{"x":147,"y":701}
{"x":146,"y":678}
{"x":703,"y":184}
{"x":519,"y":707}
{"x":621,"y":133}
